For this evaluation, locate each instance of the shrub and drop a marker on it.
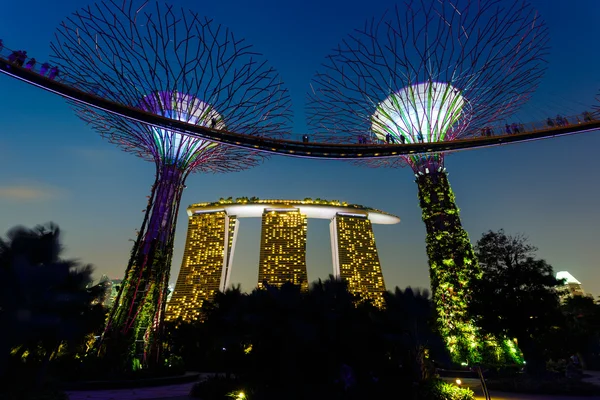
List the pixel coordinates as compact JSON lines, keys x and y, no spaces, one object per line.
{"x":175,"y":364}
{"x":435,"y":389}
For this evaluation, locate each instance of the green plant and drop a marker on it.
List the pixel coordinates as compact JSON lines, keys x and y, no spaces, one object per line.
{"x":435,"y":389}
{"x":175,"y":363}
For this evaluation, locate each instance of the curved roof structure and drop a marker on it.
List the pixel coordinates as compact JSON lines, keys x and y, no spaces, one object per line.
{"x":321,"y":209}
{"x":567,"y":277}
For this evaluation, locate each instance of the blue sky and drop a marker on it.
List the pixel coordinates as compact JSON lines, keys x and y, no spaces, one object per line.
{"x":55,"y":168}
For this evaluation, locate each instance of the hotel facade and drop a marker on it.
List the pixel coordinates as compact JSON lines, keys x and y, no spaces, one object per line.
{"x":211,"y":237}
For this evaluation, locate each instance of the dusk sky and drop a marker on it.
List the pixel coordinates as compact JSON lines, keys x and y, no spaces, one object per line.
{"x":55,"y":168}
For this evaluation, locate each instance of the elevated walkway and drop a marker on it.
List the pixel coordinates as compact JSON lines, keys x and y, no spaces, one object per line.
{"x":301,"y":147}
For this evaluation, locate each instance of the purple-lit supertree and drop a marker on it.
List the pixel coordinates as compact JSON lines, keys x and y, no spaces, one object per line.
{"x":433,"y":71}
{"x":175,"y":64}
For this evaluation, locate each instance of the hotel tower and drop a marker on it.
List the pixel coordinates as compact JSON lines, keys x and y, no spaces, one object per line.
{"x":211,"y":237}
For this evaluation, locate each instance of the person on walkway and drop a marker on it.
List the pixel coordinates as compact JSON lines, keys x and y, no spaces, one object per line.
{"x":587,"y":116}
{"x":550,"y":122}
{"x":21,"y":57}
{"x":30,"y":64}
{"x":53,"y":73}
{"x":44,"y":69}
{"x":12,"y":58}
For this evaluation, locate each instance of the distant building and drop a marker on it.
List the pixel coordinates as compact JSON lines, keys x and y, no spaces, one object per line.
{"x":171,"y":289}
{"x":571,"y":287}
{"x":211,"y":237}
{"x":283,"y":248}
{"x":206,"y":265}
{"x":355,"y":257}
{"x":112,"y":289}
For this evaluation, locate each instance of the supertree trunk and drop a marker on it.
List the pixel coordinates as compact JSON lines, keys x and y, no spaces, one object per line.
{"x":452,"y":263}
{"x":133,"y":333}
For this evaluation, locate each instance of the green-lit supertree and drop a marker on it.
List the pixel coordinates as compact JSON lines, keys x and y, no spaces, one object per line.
{"x":434,"y":71}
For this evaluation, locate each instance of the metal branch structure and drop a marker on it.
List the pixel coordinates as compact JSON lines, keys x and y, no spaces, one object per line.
{"x":433,"y":71}
{"x":175,"y":64}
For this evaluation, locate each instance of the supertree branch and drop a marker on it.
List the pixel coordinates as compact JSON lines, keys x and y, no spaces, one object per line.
{"x":175,"y":64}
{"x":126,"y":54}
{"x":433,"y":71}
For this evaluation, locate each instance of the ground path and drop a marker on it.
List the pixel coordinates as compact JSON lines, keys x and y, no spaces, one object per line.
{"x":182,"y":390}
{"x":168,"y":392}
{"x":522,"y":396}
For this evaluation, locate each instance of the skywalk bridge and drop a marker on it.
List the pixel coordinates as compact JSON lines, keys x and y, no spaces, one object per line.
{"x":301,"y":145}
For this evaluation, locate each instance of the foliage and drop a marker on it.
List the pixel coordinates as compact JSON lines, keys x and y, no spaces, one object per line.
{"x":50,"y":303}
{"x":453,"y":267}
{"x":256,"y":200}
{"x":582,"y":329}
{"x":516,"y":297}
{"x":436,"y":389}
{"x":408,"y":332}
{"x":274,"y":338}
{"x":133,"y":335}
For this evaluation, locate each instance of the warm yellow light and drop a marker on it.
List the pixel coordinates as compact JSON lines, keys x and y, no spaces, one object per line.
{"x":241,"y":395}
{"x":458,"y":382}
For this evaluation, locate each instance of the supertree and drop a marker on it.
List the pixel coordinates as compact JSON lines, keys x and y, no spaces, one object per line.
{"x":175,"y":64}
{"x":433,"y":71}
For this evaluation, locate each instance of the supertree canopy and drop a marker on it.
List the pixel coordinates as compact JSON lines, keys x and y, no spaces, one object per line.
{"x":433,"y":71}
{"x":172,"y":63}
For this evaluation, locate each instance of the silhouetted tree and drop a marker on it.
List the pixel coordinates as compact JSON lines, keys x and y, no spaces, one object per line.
{"x":227,"y":329}
{"x":516,"y":296}
{"x":407,"y":322}
{"x":45,"y":301}
{"x":582,"y":329}
{"x":303,"y":343}
{"x":320,"y":344}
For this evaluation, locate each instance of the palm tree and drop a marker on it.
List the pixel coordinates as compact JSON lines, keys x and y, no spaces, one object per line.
{"x":45,"y":300}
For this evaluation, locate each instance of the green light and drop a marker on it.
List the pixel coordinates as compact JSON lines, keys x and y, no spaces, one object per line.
{"x":453,"y":267}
